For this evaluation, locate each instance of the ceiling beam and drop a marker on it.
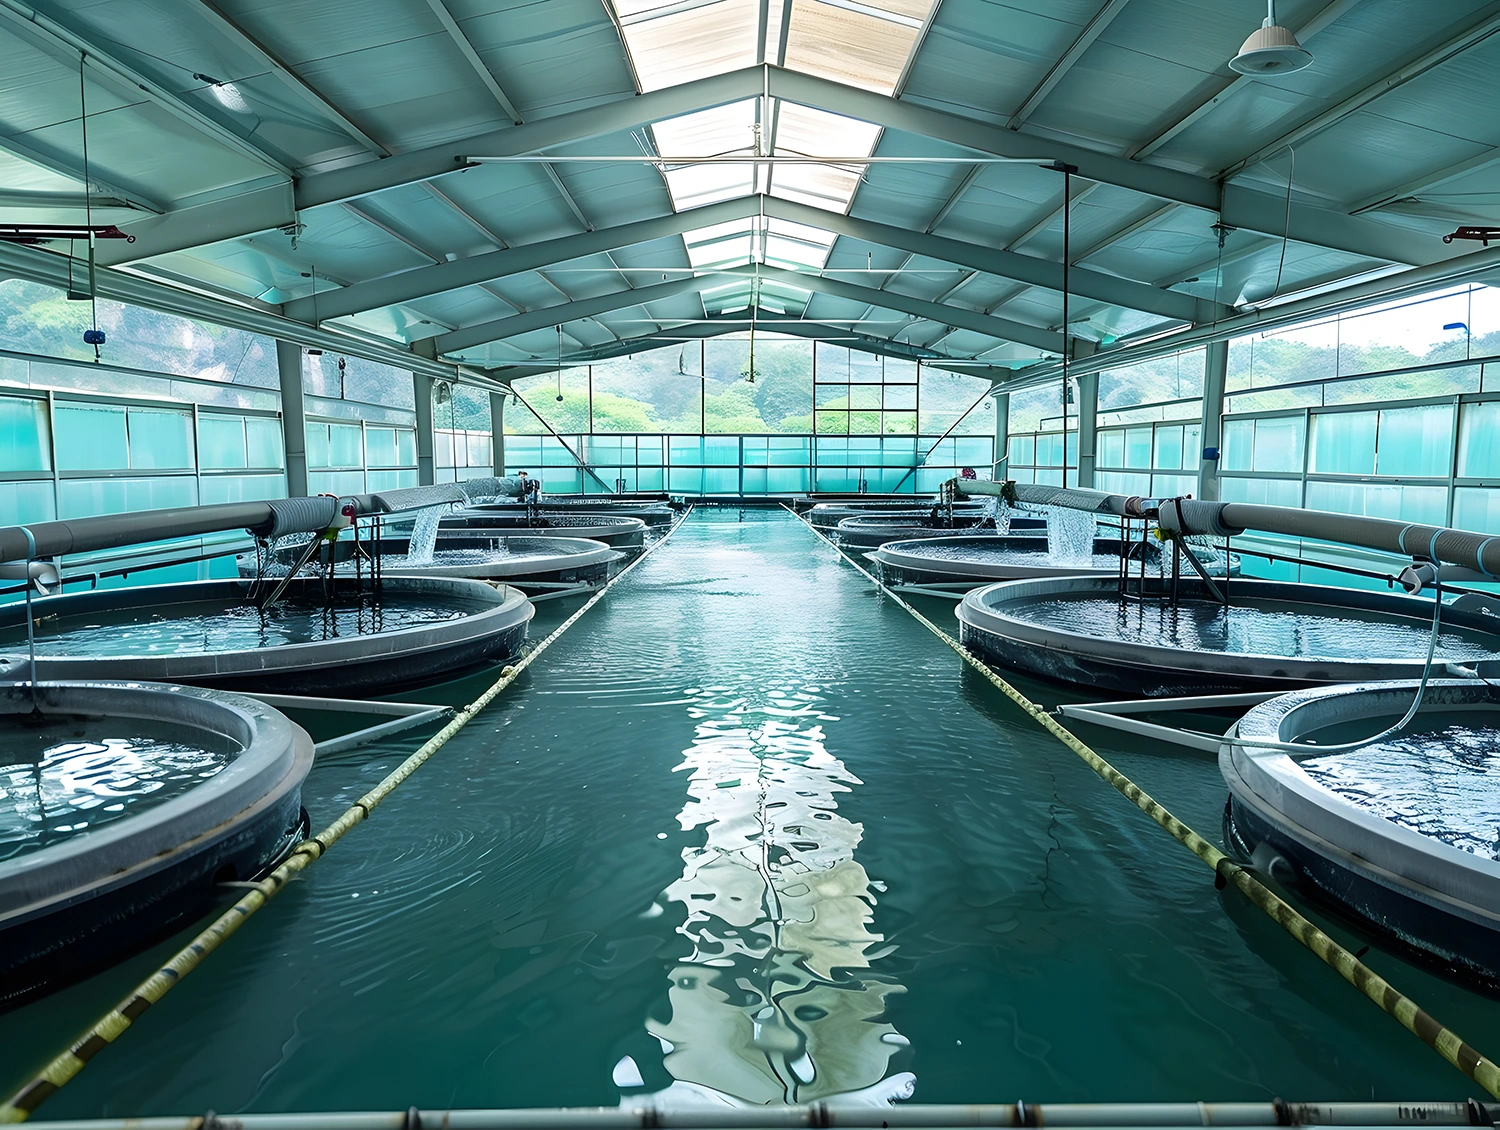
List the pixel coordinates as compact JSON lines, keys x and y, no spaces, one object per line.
{"x":469,"y":337}
{"x":1091,"y":31}
{"x":67,"y":167}
{"x":471,"y":56}
{"x":26,"y":199}
{"x":67,"y":46}
{"x":407,"y":286}
{"x":765,"y":321}
{"x":1476,"y":33}
{"x":1241,"y":207}
{"x":1001,"y":329}
{"x":258,"y":209}
{"x":289,"y":78}
{"x":1419,"y":184}
{"x":1029,"y":269}
{"x":1326,"y":16}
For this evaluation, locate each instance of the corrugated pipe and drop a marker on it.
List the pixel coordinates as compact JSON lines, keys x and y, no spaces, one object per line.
{"x":1463,"y":548}
{"x":271,"y":518}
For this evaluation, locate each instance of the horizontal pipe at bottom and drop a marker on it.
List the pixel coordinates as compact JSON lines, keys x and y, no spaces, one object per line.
{"x":928,"y":1117}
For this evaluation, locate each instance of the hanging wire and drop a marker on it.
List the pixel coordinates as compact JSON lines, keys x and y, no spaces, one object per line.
{"x":1286,"y":223}
{"x":93,"y":337}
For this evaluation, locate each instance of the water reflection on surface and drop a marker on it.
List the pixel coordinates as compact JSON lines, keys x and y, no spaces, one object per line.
{"x":777,"y":999}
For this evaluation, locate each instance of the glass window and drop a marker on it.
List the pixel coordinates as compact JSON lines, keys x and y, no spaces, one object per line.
{"x":241,"y":488}
{"x":1344,"y":443}
{"x":221,"y":441}
{"x":1138,"y":447}
{"x":1270,"y":492}
{"x":23,"y":503}
{"x":1023,"y":450}
{"x":91,"y":437}
{"x":83,"y":498}
{"x":406,"y":447}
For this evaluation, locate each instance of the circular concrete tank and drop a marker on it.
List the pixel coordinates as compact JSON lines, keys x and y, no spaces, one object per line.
{"x":70,"y":904}
{"x":1399,"y":834}
{"x":1274,"y":636}
{"x":209,"y":633}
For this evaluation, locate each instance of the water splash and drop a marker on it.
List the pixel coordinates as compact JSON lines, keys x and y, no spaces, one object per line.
{"x":998,"y":511}
{"x":1070,"y":533}
{"x":424,"y":531}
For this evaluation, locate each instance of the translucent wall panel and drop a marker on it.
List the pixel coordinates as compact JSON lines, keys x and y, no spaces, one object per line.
{"x":1382,"y":500}
{"x":1479,"y":441}
{"x":1416,"y":442}
{"x":160,"y":439}
{"x":24,"y":442}
{"x":82,"y":498}
{"x":23,"y":502}
{"x":1344,"y":443}
{"x":221,"y":442}
{"x":91,"y":437}
{"x":1271,"y":492}
{"x":1477,"y":508}
{"x":241,"y":488}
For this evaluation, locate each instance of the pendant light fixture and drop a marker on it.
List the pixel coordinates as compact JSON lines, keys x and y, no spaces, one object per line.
{"x":1271,"y":50}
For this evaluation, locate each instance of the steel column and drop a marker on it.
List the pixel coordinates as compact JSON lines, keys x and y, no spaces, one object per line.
{"x":1002,"y":434}
{"x":497,"y":431}
{"x":1215,"y":369}
{"x":421,"y":386}
{"x":293,"y":417}
{"x":1088,"y":419}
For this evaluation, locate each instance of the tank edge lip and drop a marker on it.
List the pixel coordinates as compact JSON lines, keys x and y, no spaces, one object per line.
{"x":278,"y":747}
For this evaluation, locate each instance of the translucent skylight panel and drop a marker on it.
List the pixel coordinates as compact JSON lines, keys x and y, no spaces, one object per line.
{"x":803,"y":131}
{"x":671,"y":43}
{"x":730,"y":251}
{"x":723,"y":129}
{"x":796,"y":246}
{"x":864,"y":45}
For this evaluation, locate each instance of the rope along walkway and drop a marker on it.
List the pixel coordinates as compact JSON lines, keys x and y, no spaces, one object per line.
{"x":1426,"y":1028}
{"x":114,"y":1023}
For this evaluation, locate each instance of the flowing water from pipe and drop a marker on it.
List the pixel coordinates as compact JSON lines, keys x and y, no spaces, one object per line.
{"x":424,"y":531}
{"x":1070,"y":533}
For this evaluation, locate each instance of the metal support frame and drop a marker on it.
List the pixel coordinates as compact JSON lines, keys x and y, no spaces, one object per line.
{"x":1088,"y":422}
{"x":1211,"y":428}
{"x":497,"y":432}
{"x":293,"y":417}
{"x":1002,"y":433}
{"x":403,"y":715}
{"x":421,"y":386}
{"x":1110,"y":715}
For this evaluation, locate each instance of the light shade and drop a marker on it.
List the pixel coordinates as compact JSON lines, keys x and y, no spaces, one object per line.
{"x":1271,"y":50}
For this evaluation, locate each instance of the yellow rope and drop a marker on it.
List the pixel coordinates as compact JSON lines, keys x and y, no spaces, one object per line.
{"x":1443,"y":1040}
{"x":109,"y":1028}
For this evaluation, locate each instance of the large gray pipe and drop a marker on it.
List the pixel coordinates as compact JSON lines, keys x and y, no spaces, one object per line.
{"x":1463,"y":548}
{"x":272,"y":518}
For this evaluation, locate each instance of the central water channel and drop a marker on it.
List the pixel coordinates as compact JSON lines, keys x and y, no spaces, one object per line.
{"x":749,"y":834}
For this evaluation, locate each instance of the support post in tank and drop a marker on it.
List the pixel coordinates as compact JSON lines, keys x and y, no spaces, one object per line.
{"x":421,"y":386}
{"x":1088,"y":419}
{"x":497,"y":432}
{"x":1215,"y":370}
{"x":293,"y":417}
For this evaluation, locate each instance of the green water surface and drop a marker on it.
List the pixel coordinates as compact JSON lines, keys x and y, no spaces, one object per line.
{"x":749,"y":834}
